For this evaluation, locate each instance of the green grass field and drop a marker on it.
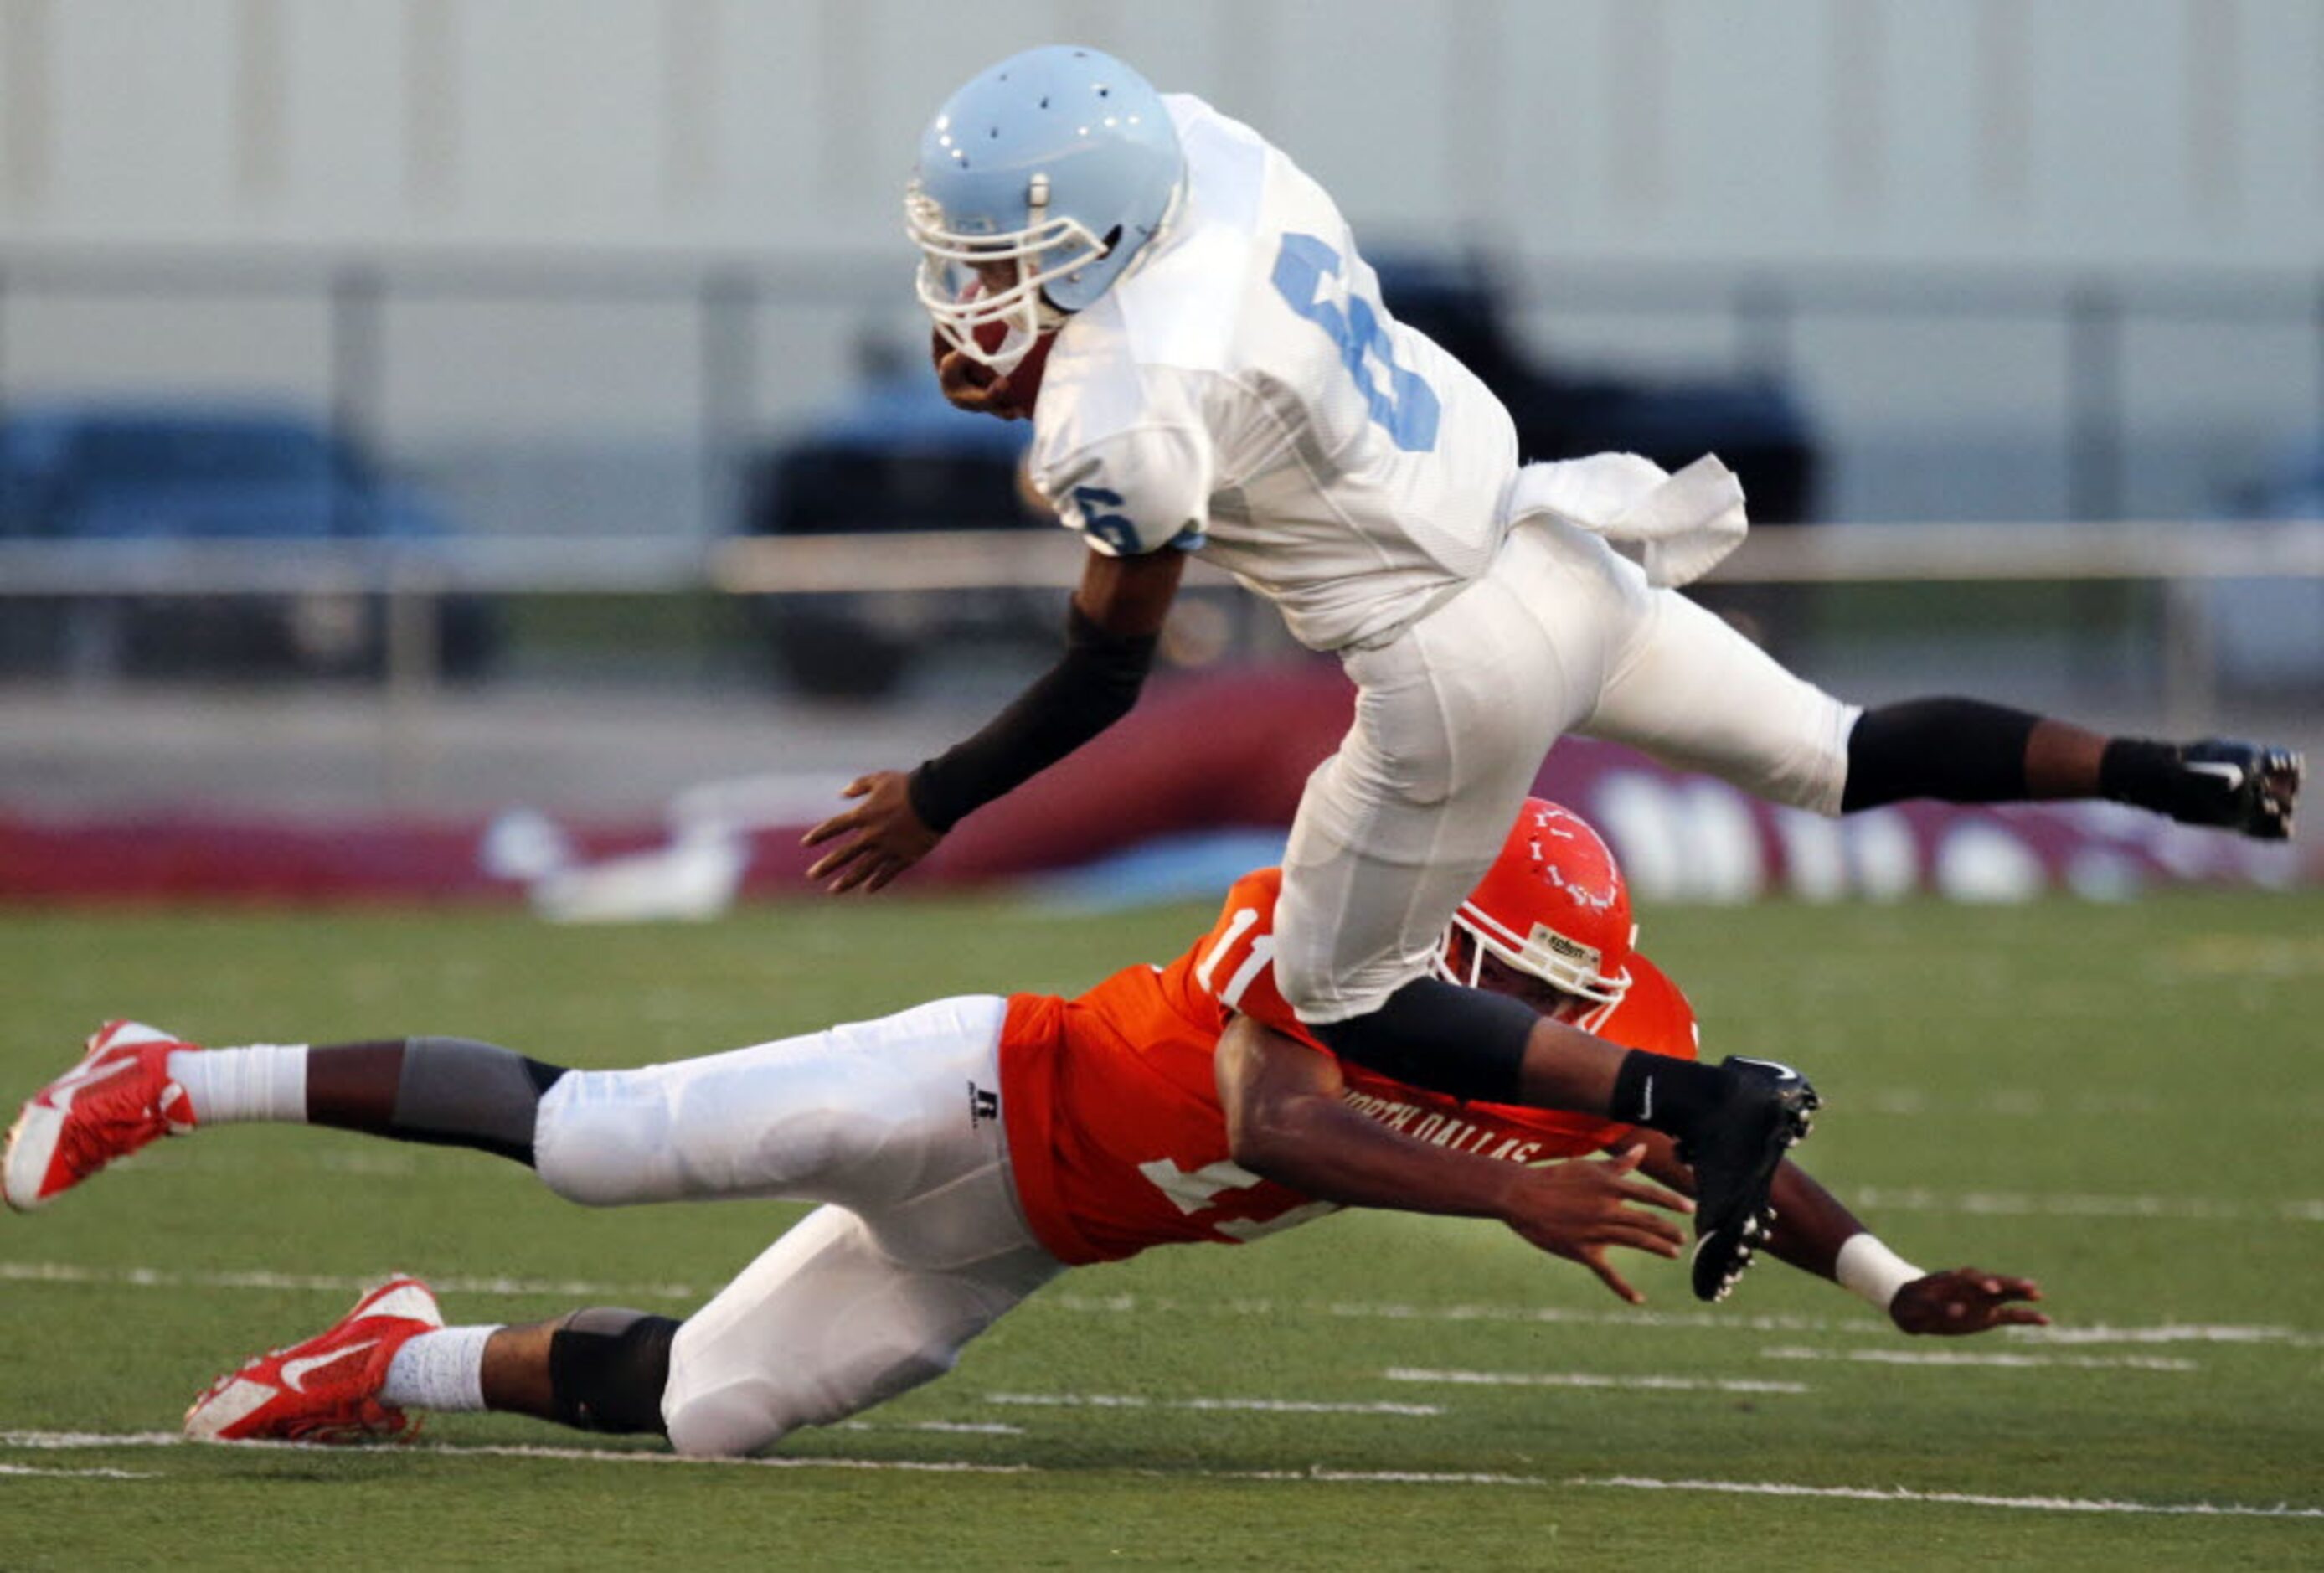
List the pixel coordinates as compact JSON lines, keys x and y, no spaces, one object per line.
{"x":2123,"y":1101}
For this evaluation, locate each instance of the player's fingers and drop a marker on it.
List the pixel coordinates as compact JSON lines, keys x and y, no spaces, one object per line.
{"x":1626,"y":1160}
{"x":1595,"y":1260}
{"x":1654,"y":1196}
{"x":2021,"y":1316}
{"x":1652,"y":1235}
{"x":1654,"y":1224}
{"x":850,"y":878}
{"x":838,"y":825}
{"x":870,"y":863}
{"x":846,"y":819}
{"x":837,"y":861}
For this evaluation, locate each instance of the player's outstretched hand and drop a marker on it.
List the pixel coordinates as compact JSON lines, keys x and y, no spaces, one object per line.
{"x":879,"y":838}
{"x":1966,"y":1299}
{"x":975,"y":387}
{"x":1579,"y":1209}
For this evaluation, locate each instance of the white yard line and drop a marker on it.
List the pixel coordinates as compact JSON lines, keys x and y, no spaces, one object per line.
{"x":1958,"y":1498}
{"x":69,"y":1440}
{"x":79,"y":1473}
{"x":2174,"y":1333}
{"x":64,"y":1440}
{"x":1721,"y":1321}
{"x":333,"y":1282}
{"x":2001,"y":1359}
{"x":1592,"y":1379}
{"x":1265,"y":1405}
{"x":1065,"y":1299}
{"x":60,"y":1441}
{"x":965,"y":1428}
{"x":2014,"y":1204}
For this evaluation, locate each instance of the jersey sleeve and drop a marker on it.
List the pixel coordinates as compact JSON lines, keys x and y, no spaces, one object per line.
{"x":1139,"y":491}
{"x":1234,"y":963}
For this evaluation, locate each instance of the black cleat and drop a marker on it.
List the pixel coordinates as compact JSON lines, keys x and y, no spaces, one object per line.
{"x":2249,"y":787}
{"x":1734,"y":1156}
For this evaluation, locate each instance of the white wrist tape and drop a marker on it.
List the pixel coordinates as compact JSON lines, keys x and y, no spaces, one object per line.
{"x":1869,"y":1269}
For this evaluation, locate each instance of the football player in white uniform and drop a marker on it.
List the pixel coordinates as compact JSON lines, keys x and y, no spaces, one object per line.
{"x":1209,"y":367}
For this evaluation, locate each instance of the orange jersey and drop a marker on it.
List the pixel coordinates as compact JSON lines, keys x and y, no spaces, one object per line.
{"x":1116,"y":1134}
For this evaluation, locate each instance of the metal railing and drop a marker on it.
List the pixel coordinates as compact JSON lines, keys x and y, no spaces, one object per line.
{"x":2184,"y":559}
{"x":1825,"y":554}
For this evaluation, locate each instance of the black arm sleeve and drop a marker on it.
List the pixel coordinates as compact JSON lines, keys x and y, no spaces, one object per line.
{"x":1093,"y":685}
{"x":1438,"y":1035}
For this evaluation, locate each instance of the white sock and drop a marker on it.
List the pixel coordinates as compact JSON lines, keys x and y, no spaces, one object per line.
{"x":441,"y":1370}
{"x":265,"y":1081}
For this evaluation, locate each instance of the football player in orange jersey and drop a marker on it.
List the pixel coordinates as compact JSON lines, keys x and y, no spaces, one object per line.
{"x":966,"y":1152}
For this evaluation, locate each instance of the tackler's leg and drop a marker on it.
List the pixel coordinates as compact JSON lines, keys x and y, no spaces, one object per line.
{"x":849,"y":1114}
{"x":826,"y":1323}
{"x":137,"y":1083}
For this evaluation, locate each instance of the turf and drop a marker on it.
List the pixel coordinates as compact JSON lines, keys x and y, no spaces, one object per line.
{"x":2119,"y":1100}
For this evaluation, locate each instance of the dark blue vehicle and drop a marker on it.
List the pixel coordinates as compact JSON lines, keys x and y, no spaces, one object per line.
{"x":895,"y":458}
{"x":93,"y":471}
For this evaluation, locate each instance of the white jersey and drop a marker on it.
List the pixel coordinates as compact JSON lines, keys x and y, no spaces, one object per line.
{"x":1242,"y":391}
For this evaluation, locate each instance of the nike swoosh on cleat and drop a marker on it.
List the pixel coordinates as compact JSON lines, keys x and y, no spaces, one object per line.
{"x":2233,"y":774}
{"x":295,"y":1372}
{"x":79,"y":1080}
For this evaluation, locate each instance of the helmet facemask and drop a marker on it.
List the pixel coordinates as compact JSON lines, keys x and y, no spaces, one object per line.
{"x":955,"y":267}
{"x":1572,"y":968}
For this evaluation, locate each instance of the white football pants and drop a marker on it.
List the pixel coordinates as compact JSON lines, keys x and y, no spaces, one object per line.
{"x":1454,"y":716}
{"x":896,"y":1125}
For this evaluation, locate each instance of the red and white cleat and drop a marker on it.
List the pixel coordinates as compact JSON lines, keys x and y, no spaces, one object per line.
{"x":326,"y":1388}
{"x":119,"y":1097}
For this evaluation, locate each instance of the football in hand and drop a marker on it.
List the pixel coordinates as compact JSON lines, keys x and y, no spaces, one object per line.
{"x":1025,"y":378}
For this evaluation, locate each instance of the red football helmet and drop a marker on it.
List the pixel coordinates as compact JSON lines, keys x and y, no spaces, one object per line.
{"x":1554,"y":906}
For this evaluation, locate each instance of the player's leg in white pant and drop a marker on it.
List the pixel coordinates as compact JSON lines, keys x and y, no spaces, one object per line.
{"x":1686,"y":688}
{"x":897,"y":1121}
{"x":863,"y":1114}
{"x":826,"y":1323}
{"x":1394,"y":831}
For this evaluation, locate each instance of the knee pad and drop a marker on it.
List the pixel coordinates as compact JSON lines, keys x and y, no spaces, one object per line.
{"x":607,"y":1369}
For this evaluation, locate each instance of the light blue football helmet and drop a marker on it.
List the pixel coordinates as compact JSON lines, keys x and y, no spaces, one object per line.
{"x":1055,"y":168}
